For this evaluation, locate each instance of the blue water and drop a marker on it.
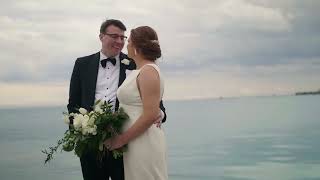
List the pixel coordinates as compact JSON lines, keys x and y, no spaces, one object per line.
{"x":257,"y":138}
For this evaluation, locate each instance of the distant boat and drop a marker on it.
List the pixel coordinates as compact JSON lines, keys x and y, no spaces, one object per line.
{"x":308,"y":93}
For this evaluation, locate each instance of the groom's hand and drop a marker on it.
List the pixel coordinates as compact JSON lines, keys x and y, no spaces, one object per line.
{"x":158,"y":121}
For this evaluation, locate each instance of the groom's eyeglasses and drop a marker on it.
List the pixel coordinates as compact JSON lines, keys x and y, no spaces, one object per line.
{"x":116,"y":36}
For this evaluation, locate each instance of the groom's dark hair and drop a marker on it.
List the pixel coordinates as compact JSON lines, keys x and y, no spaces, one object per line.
{"x":110,"y":22}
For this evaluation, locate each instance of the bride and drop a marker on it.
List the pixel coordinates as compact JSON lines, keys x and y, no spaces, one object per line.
{"x":139,"y":96}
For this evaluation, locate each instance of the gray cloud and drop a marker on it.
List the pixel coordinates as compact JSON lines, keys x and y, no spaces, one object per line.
{"x":247,"y":38}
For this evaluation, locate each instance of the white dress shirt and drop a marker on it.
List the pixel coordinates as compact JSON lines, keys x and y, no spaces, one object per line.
{"x":107,"y":81}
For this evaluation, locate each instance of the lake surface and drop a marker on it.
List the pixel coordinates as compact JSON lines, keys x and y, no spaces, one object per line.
{"x":249,"y":138}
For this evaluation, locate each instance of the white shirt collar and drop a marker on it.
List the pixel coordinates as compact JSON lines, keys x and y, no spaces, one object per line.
{"x":102,"y":56}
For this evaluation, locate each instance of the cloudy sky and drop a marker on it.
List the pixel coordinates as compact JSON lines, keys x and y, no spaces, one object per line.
{"x":211,"y":48}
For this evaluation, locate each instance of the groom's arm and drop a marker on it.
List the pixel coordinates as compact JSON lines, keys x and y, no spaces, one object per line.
{"x":163,"y":109}
{"x":75,"y":89}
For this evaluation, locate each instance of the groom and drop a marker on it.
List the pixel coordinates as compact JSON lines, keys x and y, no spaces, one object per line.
{"x":98,"y":76}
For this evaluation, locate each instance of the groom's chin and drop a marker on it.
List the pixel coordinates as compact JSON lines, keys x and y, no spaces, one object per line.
{"x":114,"y":52}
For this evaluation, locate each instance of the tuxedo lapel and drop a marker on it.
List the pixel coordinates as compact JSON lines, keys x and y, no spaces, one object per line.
{"x":93,"y":67}
{"x":122,"y":73}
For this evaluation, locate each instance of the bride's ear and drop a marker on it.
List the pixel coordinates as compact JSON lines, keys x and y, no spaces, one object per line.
{"x":135,"y":52}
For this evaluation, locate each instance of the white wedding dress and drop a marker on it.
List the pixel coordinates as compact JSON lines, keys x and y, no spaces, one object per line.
{"x":146,"y":156}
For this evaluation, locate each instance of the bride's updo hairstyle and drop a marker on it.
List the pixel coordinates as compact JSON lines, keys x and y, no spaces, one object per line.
{"x":146,"y":42}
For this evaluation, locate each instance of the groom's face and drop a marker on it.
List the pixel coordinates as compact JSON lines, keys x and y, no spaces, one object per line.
{"x":112,"y":40}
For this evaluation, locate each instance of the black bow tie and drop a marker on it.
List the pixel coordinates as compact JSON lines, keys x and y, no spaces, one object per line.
{"x":104,"y":62}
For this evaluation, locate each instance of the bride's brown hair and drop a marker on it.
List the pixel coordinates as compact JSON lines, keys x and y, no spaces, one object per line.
{"x":146,"y":42}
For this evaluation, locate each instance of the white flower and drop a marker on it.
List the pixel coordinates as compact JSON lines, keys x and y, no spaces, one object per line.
{"x":83,"y":111}
{"x":77,"y":121}
{"x":89,"y":130}
{"x":84,"y":131}
{"x":66,"y":119}
{"x":125,"y":61}
{"x":91,"y":121}
{"x":93,"y":130}
{"x":85,"y":122}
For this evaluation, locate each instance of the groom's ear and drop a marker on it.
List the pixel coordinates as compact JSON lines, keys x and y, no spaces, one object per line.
{"x":100,"y":36}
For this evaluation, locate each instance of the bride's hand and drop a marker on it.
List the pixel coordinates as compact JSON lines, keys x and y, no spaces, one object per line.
{"x":114,"y":143}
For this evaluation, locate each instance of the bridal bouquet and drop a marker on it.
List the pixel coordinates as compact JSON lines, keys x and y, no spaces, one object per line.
{"x":89,"y":130}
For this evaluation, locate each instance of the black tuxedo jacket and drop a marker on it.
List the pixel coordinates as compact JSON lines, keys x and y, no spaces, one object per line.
{"x":84,"y":79}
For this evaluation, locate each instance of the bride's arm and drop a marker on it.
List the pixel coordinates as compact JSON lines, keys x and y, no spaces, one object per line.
{"x":149,"y":85}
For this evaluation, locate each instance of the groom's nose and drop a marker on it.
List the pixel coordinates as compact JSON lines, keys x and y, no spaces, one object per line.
{"x":119,"y":40}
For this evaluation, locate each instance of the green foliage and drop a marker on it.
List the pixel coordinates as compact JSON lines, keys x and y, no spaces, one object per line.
{"x":108,"y":124}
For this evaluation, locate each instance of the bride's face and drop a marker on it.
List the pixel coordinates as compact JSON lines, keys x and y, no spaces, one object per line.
{"x":130,"y":48}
